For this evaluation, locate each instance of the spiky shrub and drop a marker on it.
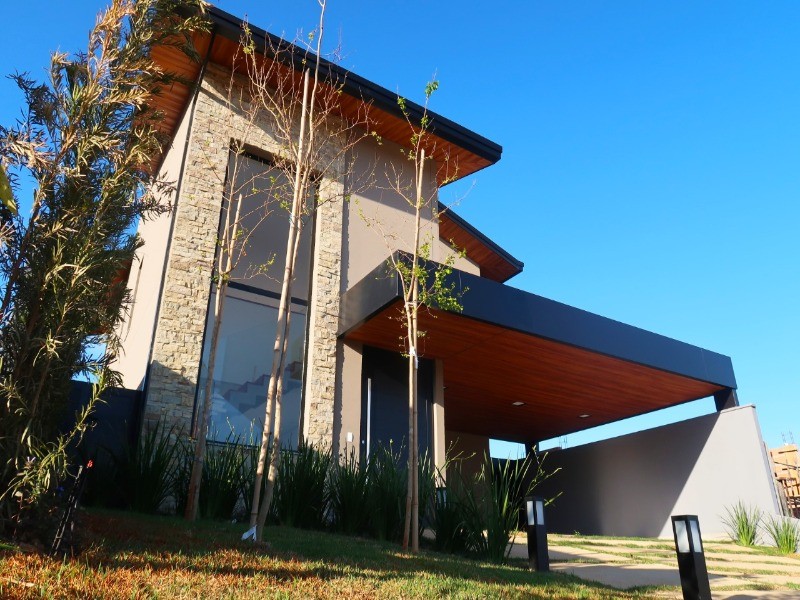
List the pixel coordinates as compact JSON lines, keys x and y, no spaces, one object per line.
{"x":223,"y":476}
{"x":491,"y":503}
{"x":86,"y":139}
{"x":349,"y":495}
{"x":301,"y":492}
{"x":450,"y":518}
{"x":146,"y":470}
{"x":742,"y":522}
{"x":784,"y":533}
{"x":386,"y":482}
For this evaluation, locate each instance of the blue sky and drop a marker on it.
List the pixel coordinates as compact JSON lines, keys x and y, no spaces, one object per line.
{"x":651,"y":153}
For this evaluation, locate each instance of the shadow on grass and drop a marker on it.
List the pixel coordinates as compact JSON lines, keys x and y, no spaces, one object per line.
{"x":162,"y":544}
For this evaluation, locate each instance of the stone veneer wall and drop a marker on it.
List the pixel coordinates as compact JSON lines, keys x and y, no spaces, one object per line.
{"x":178,"y":342}
{"x":321,"y":371}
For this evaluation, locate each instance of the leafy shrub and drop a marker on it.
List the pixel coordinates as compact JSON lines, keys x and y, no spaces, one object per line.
{"x":742,"y":523}
{"x":301,"y":492}
{"x":349,"y":495}
{"x":784,"y":533}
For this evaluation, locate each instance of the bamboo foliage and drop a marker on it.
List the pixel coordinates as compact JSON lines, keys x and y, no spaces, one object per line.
{"x":85,"y":138}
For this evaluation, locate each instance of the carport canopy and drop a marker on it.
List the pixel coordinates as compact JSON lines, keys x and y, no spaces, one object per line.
{"x":520,"y":367}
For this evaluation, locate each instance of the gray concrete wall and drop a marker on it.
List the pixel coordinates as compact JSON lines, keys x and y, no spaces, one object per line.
{"x":630,"y":485}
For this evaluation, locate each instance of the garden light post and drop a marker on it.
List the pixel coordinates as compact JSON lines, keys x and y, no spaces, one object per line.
{"x":691,"y":558}
{"x":537,"y":534}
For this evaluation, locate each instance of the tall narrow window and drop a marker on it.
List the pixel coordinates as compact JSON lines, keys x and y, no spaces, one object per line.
{"x":247,"y":332}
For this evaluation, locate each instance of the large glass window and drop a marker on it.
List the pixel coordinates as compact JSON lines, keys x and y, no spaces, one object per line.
{"x":247,"y":332}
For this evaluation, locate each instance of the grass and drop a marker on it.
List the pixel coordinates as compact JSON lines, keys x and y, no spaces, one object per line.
{"x":136,"y":556}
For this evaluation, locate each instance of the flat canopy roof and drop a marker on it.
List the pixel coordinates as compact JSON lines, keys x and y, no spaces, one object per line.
{"x":510,"y":346}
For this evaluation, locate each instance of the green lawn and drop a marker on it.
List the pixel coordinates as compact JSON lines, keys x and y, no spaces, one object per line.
{"x":135,"y":556}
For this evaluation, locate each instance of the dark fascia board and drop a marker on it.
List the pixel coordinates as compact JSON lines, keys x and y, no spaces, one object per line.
{"x":229,"y":26}
{"x":507,"y":307}
{"x":461,"y":222}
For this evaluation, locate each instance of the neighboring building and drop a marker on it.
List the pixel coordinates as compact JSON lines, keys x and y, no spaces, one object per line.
{"x":511,"y":365}
{"x":786,"y":468}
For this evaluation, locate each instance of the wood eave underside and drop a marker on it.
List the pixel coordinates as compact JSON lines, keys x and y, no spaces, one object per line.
{"x":487,"y":367}
{"x":492,"y":264}
{"x":454,"y":161}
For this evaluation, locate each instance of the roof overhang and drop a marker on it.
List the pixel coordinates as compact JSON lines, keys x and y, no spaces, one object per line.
{"x":463,"y":151}
{"x":494,"y":262}
{"x":510,"y":346}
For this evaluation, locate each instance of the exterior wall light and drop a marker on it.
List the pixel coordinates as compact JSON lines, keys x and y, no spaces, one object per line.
{"x":517,"y":403}
{"x":538,"y":558}
{"x":691,"y":558}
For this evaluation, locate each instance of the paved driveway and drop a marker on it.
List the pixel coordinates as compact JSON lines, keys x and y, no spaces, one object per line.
{"x":624,"y":563}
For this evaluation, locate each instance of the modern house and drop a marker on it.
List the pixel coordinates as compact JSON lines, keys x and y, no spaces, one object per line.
{"x":511,"y":365}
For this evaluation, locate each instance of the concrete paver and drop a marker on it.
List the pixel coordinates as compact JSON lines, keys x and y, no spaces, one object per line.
{"x":625,"y":564}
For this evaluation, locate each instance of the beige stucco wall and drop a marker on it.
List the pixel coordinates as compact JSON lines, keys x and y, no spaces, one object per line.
{"x":631,"y":485}
{"x":136,"y":332}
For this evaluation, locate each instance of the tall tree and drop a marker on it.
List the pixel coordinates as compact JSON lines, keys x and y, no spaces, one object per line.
{"x":87,"y":140}
{"x":301,"y":108}
{"x":423,"y":282}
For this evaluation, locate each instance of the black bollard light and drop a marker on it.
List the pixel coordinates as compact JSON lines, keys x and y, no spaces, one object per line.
{"x":537,"y":534}
{"x":691,"y":558}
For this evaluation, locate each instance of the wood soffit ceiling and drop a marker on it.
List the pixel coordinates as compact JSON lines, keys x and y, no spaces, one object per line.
{"x":173,"y":101}
{"x":494,"y":264}
{"x":487,"y":368}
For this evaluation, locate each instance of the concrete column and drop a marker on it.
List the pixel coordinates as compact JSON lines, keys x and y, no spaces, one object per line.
{"x":347,"y":419}
{"x":439,"y":442}
{"x":726,"y":398}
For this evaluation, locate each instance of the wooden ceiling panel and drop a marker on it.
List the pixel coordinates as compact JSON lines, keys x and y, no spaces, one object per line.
{"x":487,"y":368}
{"x":455,"y":161}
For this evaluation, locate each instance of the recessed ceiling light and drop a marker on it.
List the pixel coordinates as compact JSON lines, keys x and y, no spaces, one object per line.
{"x":517,"y":403}
{"x":584,"y":416}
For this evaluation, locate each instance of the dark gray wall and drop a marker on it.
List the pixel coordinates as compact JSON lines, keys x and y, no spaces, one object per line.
{"x":630,"y":485}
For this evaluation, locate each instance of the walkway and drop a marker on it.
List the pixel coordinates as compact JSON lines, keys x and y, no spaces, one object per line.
{"x":734,"y":571}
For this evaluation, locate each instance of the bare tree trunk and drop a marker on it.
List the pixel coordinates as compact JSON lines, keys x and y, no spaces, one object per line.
{"x":411,"y":525}
{"x":274,"y":459}
{"x":201,"y":426}
{"x":281,"y":330}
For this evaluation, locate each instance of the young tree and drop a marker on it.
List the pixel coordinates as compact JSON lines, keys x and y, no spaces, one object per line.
{"x":423,"y":282}
{"x":249,"y":202}
{"x":87,"y":139}
{"x":315,"y":141}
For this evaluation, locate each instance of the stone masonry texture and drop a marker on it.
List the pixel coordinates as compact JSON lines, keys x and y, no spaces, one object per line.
{"x":178,"y":342}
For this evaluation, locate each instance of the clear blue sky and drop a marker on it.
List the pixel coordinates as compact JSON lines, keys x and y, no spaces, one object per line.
{"x":651,"y":152}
